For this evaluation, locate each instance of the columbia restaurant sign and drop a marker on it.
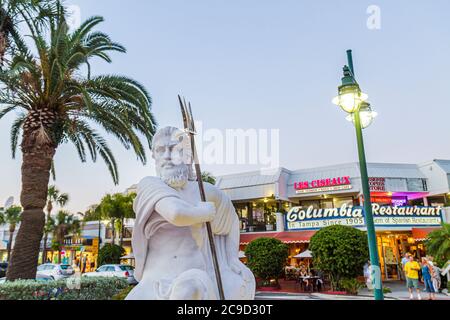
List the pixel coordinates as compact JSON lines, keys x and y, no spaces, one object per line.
{"x":299,"y":218}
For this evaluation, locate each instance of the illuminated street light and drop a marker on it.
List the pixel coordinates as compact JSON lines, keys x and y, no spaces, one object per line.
{"x":366,"y":114}
{"x":353,"y":101}
{"x":350,"y":96}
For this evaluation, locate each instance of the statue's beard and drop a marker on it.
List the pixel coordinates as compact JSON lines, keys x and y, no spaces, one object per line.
{"x":176,"y":177}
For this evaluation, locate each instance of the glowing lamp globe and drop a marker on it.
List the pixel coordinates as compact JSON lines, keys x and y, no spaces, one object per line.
{"x":366,"y":114}
{"x":350,"y":96}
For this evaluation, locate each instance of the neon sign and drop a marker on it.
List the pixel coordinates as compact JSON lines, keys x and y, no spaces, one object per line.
{"x":331,"y":184}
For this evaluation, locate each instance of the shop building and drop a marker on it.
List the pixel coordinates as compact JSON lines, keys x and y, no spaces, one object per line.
{"x":409,"y":201}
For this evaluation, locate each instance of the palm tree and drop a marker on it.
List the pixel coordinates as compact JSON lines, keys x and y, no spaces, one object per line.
{"x":12,"y":13}
{"x":53,"y":197}
{"x":12,"y":217}
{"x":60,"y":102}
{"x":117,"y":208}
{"x":438,"y":244}
{"x":64,"y":224}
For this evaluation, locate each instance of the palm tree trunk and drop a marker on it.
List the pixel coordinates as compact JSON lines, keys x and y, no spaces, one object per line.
{"x":121,"y":233}
{"x":36,"y":165}
{"x":9,"y":246}
{"x":113,"y":224}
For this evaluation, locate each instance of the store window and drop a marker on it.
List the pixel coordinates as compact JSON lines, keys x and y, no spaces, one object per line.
{"x":326,"y":204}
{"x":310,"y":203}
{"x":339,"y":202}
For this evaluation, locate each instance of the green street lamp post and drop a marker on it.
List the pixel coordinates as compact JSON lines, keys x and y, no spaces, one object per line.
{"x":354,"y":102}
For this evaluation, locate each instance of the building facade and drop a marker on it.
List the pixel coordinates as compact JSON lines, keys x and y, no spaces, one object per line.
{"x":408,"y":200}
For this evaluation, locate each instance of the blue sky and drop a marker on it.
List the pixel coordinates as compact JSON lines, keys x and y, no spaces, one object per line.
{"x":272,"y":65}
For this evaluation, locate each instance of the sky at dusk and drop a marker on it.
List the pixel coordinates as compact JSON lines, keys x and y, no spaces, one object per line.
{"x":259,"y":64}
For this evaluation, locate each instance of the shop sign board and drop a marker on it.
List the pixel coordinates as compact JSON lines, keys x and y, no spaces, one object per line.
{"x":377,"y":184}
{"x":300,"y":218}
{"x":323,"y":185}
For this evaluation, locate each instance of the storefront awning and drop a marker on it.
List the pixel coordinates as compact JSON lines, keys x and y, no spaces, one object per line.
{"x":421,"y":234}
{"x":285,"y":237}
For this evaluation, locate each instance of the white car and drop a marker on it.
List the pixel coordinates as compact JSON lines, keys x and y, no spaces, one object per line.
{"x":56,"y":271}
{"x":114,"y":270}
{"x":39,"y":278}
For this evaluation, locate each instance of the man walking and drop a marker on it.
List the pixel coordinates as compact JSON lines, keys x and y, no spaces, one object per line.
{"x":405,"y":260}
{"x":412,"y":268}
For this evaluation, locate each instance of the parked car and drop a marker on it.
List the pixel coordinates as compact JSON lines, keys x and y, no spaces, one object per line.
{"x":56,"y":271}
{"x":3,"y":268}
{"x":39,"y":277}
{"x":114,"y":270}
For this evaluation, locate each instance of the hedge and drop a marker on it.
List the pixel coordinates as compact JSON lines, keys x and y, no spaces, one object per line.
{"x":95,"y":288}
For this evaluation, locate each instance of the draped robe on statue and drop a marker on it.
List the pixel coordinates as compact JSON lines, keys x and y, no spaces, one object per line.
{"x":175,"y":262}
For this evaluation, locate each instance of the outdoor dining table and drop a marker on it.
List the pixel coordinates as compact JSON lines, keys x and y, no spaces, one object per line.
{"x":313,"y":283}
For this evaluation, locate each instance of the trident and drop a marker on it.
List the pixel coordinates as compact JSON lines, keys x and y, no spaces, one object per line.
{"x":189,"y":127}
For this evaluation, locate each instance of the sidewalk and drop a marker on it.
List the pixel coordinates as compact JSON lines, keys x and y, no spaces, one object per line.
{"x":398,"y":288}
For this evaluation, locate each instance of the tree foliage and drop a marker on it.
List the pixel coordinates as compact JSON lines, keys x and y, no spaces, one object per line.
{"x":267,"y":257}
{"x":110,"y":254}
{"x":59,"y":100}
{"x":11,"y":216}
{"x":438,"y":244}
{"x":340,"y":251}
{"x":63,"y":225}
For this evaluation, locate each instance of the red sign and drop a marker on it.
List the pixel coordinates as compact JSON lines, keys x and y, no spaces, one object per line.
{"x":322,"y":183}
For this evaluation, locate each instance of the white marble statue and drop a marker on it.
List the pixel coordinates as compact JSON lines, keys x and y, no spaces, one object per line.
{"x":170,"y":241}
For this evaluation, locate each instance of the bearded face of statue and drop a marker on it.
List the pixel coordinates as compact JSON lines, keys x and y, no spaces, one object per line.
{"x":171,"y":154}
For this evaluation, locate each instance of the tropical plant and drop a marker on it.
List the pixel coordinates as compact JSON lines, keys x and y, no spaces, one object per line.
{"x":64,"y":224}
{"x":12,"y":13}
{"x":117,"y":208}
{"x":93,"y":214}
{"x":340,"y":251}
{"x":12,"y":217}
{"x":267,"y":258}
{"x":438,"y":244}
{"x":208,"y":177}
{"x":351,"y":286}
{"x":60,"y":100}
{"x":110,"y":254}
{"x":53,"y":197}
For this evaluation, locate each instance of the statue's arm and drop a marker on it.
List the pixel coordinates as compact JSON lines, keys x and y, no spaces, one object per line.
{"x":183,"y":214}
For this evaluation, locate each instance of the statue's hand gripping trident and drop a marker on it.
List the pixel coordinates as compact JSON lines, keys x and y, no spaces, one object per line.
{"x":189,"y":127}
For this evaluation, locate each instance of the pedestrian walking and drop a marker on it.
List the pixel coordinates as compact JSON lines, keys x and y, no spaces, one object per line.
{"x":436,"y":276}
{"x":405,"y":260}
{"x":368,"y":275}
{"x":83,"y":269}
{"x":427,"y":272}
{"x":412,"y":269}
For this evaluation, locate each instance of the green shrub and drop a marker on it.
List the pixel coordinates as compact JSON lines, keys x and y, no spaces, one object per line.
{"x":387,"y":290}
{"x":340,"y":251}
{"x":267,"y":258}
{"x":97,"y":288}
{"x":123,"y":294}
{"x":351,"y":286}
{"x":110,"y":254}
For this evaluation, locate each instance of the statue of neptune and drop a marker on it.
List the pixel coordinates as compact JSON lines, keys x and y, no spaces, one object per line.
{"x":170,"y":241}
